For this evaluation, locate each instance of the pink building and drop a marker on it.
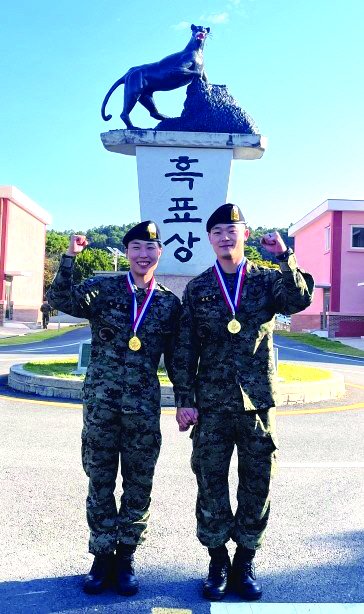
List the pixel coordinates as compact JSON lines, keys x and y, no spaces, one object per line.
{"x":329,"y":243}
{"x":22,"y":248}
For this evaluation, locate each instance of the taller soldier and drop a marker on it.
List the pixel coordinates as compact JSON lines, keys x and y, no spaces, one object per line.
{"x":133,"y":320}
{"x":225,"y":386}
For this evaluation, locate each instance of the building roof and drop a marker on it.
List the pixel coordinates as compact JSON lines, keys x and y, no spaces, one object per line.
{"x":327,"y":205}
{"x":16,"y":196}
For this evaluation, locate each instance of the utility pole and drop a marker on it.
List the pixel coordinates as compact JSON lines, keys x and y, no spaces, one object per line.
{"x":115,"y":252}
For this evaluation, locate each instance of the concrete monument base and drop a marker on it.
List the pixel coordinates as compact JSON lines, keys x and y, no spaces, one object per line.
{"x":176,"y":283}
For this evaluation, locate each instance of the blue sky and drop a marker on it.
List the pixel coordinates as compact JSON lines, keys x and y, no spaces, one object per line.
{"x":296,"y":66}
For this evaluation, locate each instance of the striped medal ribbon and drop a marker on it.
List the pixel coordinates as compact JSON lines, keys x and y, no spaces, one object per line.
{"x":233,"y":301}
{"x":138,"y":314}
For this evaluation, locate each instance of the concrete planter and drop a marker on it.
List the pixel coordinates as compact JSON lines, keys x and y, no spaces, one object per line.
{"x":289,"y":394}
{"x":46,"y":386}
{"x":311,"y":392}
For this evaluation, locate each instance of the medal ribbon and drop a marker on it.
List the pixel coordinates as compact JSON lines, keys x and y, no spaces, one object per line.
{"x":232,"y":302}
{"x":138,"y":314}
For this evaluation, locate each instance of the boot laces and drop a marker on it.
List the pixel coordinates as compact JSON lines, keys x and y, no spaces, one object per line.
{"x":126,"y":563}
{"x":218,"y":569}
{"x":247,"y":568}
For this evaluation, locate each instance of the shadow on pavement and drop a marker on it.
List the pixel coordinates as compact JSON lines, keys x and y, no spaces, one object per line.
{"x":327,"y":583}
{"x":55,"y":595}
{"x":340,"y":582}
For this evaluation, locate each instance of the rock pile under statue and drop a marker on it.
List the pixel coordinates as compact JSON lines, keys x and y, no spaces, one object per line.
{"x":210,"y":108}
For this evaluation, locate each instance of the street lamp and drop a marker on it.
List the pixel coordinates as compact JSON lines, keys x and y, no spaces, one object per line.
{"x":115,"y":255}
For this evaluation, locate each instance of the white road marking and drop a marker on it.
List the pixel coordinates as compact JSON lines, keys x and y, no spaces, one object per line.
{"x":53,"y":347}
{"x":287,"y":608}
{"x":315,"y":465}
{"x":327,"y":465}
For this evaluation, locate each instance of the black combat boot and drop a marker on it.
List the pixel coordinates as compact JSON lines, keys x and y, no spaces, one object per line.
{"x":215,"y":585}
{"x":243,"y":577}
{"x":126,"y":582}
{"x":100,"y":574}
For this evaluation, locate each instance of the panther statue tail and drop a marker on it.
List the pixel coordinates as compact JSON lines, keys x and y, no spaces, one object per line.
{"x":106,"y":99}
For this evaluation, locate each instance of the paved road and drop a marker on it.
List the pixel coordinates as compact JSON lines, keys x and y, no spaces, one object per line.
{"x":314,"y":548}
{"x":313,"y":551}
{"x":69,"y":344}
{"x":352,"y":368}
{"x":65,"y":344}
{"x":291,"y":350}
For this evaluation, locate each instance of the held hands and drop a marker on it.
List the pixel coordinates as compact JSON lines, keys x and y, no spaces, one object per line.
{"x":77,"y":244}
{"x":273,"y":243}
{"x":186,"y":417}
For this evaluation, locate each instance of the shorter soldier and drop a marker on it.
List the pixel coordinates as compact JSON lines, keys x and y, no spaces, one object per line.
{"x":225,"y":386}
{"x":133,"y":320}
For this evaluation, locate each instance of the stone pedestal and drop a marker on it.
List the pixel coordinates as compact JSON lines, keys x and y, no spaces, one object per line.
{"x":182,"y":178}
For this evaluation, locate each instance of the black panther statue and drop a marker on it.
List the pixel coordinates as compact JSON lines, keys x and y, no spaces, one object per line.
{"x":170,"y":73}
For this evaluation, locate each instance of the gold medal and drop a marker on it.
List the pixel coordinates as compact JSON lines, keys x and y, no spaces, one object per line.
{"x":234,"y":326}
{"x":135,"y":344}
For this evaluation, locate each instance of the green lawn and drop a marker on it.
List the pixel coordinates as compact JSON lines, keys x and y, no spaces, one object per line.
{"x":321,"y":342}
{"x":40,"y":336}
{"x":288,"y":372}
{"x":56,"y":368}
{"x":63,"y":368}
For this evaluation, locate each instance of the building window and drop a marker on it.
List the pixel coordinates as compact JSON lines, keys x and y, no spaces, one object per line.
{"x":357,"y":236}
{"x":327,"y":238}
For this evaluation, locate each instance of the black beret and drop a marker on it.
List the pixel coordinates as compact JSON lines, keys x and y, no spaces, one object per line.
{"x":145,"y":231}
{"x":226,"y":214}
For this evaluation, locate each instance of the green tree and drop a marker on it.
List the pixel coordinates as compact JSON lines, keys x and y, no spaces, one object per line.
{"x":257,"y":233}
{"x":56,"y":243}
{"x":123,"y":264}
{"x":252,"y":254}
{"x":50,"y":269}
{"x":89,"y":261}
{"x":108,"y":236}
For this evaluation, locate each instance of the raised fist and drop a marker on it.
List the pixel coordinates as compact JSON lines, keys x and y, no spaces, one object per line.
{"x":273,"y":243}
{"x":77,"y":244}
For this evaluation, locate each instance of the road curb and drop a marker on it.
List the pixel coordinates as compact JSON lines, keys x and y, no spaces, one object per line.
{"x":288,"y":393}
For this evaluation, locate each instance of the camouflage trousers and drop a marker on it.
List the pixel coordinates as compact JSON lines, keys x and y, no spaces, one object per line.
{"x":214,"y":439}
{"x":111,"y":439}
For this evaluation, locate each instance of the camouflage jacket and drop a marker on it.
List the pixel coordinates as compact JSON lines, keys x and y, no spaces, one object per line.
{"x":217,"y":370}
{"x":116,"y":373}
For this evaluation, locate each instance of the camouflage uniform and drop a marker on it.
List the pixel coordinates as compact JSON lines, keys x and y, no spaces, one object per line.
{"x":121,"y":399}
{"x":230,"y":378}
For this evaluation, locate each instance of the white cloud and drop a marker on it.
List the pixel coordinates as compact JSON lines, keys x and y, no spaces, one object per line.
{"x":182,"y":25}
{"x":215,"y":18}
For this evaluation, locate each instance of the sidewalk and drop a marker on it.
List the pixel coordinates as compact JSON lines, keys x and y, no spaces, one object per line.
{"x":354,"y":342}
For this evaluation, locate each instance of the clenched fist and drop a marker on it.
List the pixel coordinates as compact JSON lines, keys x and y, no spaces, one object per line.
{"x":273,"y":243}
{"x":77,"y":244}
